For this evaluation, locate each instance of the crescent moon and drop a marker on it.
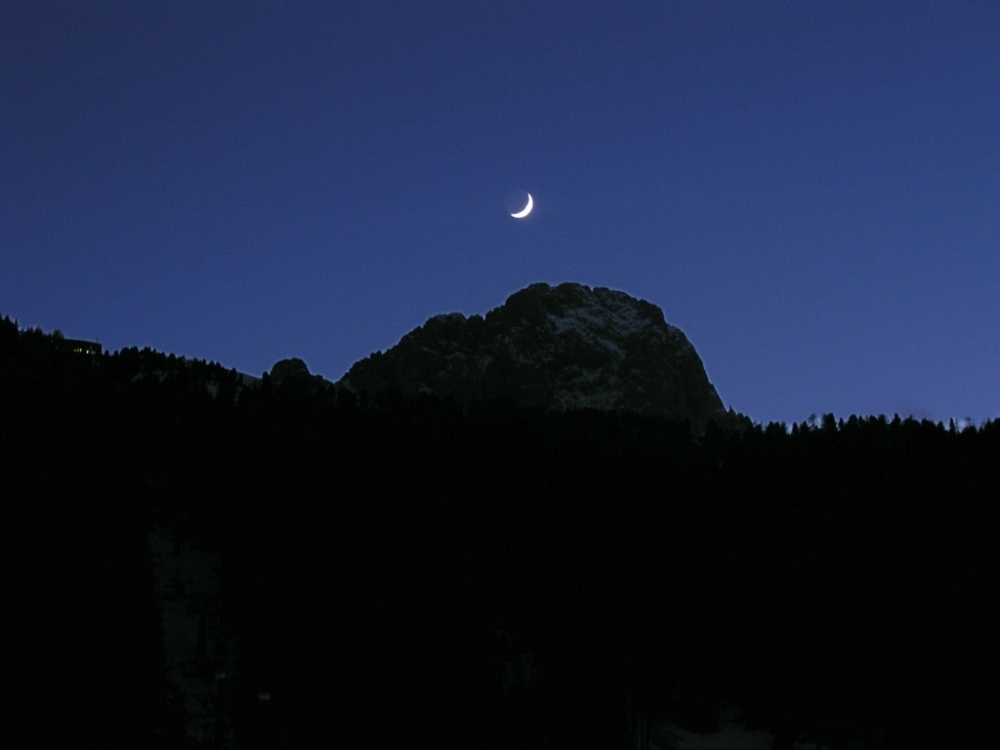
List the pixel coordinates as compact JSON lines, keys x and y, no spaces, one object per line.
{"x":526,"y":210}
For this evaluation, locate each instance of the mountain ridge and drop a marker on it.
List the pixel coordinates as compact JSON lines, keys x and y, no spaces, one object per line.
{"x":555,"y":347}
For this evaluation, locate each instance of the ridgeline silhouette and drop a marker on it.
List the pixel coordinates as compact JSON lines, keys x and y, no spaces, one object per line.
{"x":408,"y":569}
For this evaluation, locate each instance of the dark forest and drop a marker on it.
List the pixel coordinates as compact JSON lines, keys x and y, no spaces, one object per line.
{"x":388,"y":562}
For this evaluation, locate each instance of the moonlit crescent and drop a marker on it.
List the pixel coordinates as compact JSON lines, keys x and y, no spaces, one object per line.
{"x":526,"y":210}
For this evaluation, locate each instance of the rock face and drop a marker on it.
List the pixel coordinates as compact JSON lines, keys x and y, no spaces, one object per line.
{"x":293,"y":370}
{"x":562,"y":347}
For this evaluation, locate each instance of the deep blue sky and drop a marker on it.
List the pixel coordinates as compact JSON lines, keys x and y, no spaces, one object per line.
{"x":810,"y":190}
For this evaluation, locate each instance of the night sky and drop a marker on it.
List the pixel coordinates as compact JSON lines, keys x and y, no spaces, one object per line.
{"x":809,"y":190}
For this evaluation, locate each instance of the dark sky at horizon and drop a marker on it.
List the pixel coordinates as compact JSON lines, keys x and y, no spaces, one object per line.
{"x":810,"y":191}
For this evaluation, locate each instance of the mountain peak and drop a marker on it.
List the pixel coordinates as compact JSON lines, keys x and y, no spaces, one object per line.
{"x":561,"y":347}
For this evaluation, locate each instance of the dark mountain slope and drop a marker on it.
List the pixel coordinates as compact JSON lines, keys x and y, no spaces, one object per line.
{"x":562,"y":347}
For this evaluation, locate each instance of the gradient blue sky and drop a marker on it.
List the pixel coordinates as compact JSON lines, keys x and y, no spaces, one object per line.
{"x":810,"y":190}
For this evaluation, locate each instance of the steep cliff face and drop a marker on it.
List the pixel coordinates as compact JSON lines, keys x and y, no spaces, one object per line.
{"x":568,"y":346}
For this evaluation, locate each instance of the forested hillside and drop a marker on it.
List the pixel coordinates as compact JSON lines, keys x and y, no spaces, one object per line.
{"x":389,"y":561}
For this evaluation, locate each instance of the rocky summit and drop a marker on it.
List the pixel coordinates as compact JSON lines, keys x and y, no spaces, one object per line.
{"x":562,"y":347}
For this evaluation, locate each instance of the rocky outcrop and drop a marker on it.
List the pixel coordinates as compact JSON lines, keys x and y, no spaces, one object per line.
{"x":293,"y":370}
{"x":562,"y":347}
